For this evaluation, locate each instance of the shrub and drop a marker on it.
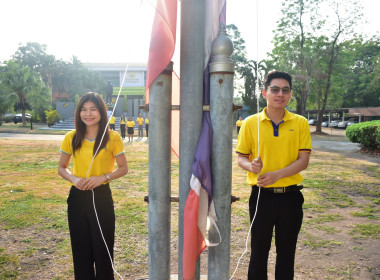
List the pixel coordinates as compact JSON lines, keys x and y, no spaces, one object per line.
{"x":367,"y":134}
{"x":52,"y":116}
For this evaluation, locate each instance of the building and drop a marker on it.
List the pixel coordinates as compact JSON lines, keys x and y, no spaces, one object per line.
{"x":132,"y":90}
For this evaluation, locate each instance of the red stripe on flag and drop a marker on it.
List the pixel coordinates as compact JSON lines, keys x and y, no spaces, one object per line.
{"x":195,"y":243}
{"x":162,"y":43}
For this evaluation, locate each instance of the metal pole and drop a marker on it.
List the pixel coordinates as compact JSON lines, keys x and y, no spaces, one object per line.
{"x":159,"y":176}
{"x":221,"y":105}
{"x":192,"y":67}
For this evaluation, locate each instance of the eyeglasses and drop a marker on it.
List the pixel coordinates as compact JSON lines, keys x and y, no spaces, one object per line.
{"x":276,"y":90}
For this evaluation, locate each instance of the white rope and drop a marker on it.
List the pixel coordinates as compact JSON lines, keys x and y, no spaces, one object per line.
{"x":257,"y":93}
{"x":89,"y":168}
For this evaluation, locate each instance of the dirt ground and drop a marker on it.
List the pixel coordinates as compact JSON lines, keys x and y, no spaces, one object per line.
{"x":342,"y":257}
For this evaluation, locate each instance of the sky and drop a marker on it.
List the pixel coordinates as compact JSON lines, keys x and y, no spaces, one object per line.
{"x":119,"y":30}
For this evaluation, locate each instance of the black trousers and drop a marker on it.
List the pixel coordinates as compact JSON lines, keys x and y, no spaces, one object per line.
{"x":90,"y":256}
{"x":147,"y":129}
{"x":284,"y":213}
{"x":122,"y":130}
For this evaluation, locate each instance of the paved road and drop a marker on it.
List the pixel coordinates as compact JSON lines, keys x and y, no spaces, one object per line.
{"x":41,"y":137}
{"x":343,"y":145}
{"x":21,"y":136}
{"x":335,"y":145}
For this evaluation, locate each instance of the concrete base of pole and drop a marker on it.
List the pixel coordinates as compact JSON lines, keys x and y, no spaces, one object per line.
{"x":172,"y":277}
{"x":175,"y":277}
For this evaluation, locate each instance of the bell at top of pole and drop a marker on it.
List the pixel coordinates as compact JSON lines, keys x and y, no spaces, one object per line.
{"x":221,"y":50}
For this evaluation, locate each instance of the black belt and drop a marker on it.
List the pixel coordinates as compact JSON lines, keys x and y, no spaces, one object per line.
{"x":291,"y":188}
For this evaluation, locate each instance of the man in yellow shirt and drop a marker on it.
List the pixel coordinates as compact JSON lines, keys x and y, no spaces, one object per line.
{"x":239,"y":122}
{"x":140,"y":122}
{"x":112,"y":122}
{"x":274,"y":146}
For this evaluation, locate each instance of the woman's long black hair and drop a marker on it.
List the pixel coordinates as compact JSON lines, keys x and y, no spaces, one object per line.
{"x":80,"y":127}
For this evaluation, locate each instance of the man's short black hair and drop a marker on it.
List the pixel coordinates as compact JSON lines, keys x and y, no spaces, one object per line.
{"x":277,"y":75}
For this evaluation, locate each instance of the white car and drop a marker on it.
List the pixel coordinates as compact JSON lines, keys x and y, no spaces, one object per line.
{"x":344,"y":124}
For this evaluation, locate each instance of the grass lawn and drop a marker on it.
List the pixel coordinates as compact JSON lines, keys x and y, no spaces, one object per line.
{"x":339,"y":238}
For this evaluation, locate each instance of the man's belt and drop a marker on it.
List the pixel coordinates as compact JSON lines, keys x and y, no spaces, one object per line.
{"x":291,"y":188}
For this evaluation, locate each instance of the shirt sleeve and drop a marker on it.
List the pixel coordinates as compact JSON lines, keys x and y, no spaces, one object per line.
{"x":244,"y":142}
{"x":66,"y":146}
{"x":118,"y":145}
{"x":305,"y":142}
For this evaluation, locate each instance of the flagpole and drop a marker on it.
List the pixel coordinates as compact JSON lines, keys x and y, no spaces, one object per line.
{"x":160,"y":176}
{"x":191,"y":72}
{"x":221,"y":111}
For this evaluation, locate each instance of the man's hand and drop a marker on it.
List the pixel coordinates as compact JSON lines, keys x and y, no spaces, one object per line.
{"x":256,"y":165}
{"x":267,"y":179}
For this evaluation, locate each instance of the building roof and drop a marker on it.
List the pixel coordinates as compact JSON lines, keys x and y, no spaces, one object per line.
{"x":365,"y":111}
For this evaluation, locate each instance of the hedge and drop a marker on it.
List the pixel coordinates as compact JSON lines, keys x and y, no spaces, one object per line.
{"x":367,"y":134}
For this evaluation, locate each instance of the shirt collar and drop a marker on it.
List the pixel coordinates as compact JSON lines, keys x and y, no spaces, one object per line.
{"x":263,"y":115}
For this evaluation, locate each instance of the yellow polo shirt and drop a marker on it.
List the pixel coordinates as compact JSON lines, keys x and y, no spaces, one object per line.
{"x":130,"y":124}
{"x":146,"y":121}
{"x":239,"y":123}
{"x":113,"y":120}
{"x":103,"y":162}
{"x":140,"y":121}
{"x":279,"y":145}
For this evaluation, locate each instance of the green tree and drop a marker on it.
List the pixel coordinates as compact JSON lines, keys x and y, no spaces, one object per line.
{"x":246,"y":70}
{"x":71,"y":78}
{"x":6,"y":100}
{"x":361,"y":87}
{"x":341,"y":26}
{"x":308,"y":45}
{"x":293,"y":46}
{"x":34,"y":56}
{"x":22,"y":82}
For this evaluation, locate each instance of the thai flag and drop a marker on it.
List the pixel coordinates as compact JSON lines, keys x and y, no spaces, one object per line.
{"x":199,"y":207}
{"x":161,"y":50}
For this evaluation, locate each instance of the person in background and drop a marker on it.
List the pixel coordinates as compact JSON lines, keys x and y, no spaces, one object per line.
{"x":131,"y":129}
{"x":147,"y":126}
{"x":274,"y":168}
{"x":123,"y":122}
{"x":239,"y":122}
{"x":140,"y":122}
{"x":93,"y":169}
{"x":112,"y":122}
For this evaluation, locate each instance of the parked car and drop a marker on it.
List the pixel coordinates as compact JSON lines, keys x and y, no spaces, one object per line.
{"x":343,"y":124}
{"x":351,"y":123}
{"x":331,"y":124}
{"x":18,"y":118}
{"x":313,"y":121}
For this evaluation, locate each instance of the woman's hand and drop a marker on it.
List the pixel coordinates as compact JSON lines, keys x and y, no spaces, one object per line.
{"x":93,"y":182}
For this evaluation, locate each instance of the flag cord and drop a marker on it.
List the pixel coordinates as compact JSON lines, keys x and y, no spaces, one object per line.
{"x":257,"y":93}
{"x":89,"y":168}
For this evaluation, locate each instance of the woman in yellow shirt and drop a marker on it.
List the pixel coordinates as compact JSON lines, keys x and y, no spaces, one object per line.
{"x":131,"y":129}
{"x":123,"y":122}
{"x":147,"y":126}
{"x":94,"y":149}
